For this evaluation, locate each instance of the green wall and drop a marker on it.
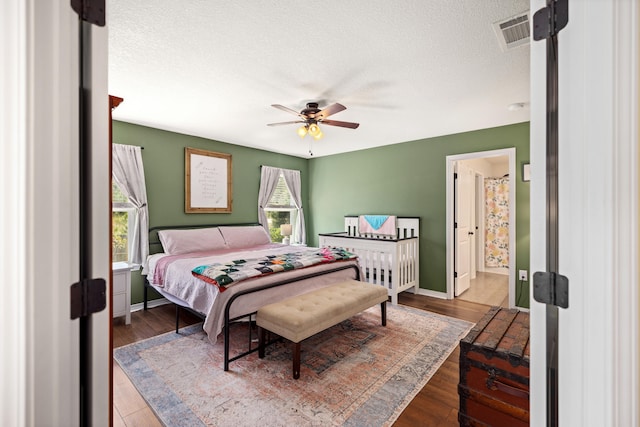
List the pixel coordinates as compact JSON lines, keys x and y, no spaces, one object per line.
{"x":163,"y":158}
{"x":408,"y":179}
{"x":405,"y":179}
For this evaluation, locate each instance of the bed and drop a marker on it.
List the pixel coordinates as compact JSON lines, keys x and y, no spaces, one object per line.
{"x":388,"y":253}
{"x":179,"y":250}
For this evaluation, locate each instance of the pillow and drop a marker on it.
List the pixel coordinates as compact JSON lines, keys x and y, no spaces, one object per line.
{"x":245,"y":236}
{"x":176,"y":242}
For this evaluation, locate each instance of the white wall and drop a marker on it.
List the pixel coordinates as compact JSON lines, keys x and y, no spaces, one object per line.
{"x":494,"y":168}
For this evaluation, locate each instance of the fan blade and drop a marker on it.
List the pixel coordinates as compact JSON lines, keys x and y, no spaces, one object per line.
{"x":341,"y":124}
{"x":288,"y":110}
{"x":285,"y":123}
{"x":331,"y":109}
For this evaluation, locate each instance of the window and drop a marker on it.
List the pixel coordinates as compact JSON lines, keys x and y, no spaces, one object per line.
{"x":280,"y":210}
{"x":123,"y":221}
{"x":280,"y":202}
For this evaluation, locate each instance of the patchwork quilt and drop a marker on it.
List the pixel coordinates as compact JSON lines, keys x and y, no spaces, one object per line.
{"x":226,"y":274}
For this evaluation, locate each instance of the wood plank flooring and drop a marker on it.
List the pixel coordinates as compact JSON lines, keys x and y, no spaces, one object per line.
{"x":435,"y":405}
{"x":438,"y":402}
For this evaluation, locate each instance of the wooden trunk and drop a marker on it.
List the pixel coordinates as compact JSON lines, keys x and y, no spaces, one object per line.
{"x":494,"y":371}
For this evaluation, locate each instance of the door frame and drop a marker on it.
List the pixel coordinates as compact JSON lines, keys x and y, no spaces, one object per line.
{"x":39,"y":158}
{"x":598,"y":340}
{"x":450,"y":199}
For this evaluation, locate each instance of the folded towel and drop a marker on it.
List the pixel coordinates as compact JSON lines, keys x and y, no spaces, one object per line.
{"x":386,"y":227}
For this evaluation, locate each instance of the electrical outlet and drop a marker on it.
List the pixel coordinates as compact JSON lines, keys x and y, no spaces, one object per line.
{"x":522,"y":275}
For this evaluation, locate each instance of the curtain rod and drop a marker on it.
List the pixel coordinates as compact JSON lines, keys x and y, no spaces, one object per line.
{"x":276,"y":167}
{"x":141,"y":147}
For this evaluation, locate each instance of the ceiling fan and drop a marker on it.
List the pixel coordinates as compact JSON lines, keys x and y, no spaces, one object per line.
{"x":311,"y":116}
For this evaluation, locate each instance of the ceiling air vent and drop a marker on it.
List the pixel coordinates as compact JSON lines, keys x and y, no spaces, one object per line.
{"x":513,"y":31}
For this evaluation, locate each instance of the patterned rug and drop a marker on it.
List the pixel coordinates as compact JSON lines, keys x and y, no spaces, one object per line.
{"x":357,"y":373}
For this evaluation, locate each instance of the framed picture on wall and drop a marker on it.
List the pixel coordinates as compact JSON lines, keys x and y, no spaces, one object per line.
{"x":207,"y":181}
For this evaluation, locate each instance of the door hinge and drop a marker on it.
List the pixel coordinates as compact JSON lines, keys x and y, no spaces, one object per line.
{"x":455,"y":274}
{"x":87,"y":297}
{"x":551,"y":288}
{"x":548,"y":21}
{"x":92,"y":11}
{"x":455,"y":175}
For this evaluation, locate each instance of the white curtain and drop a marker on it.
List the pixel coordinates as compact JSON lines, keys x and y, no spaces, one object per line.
{"x":269,"y":177}
{"x":292,"y":178}
{"x":128,"y":172}
{"x":268,"y":181}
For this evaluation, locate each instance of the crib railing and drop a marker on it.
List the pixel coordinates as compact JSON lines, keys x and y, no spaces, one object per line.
{"x":392,"y":263}
{"x":405,"y":227}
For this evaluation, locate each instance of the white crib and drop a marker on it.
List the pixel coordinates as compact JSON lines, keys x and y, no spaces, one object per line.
{"x":387,"y":261}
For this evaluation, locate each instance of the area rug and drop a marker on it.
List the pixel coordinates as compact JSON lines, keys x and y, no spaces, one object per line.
{"x":357,"y":373}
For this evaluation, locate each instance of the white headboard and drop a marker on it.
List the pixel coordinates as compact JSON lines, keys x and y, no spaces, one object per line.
{"x":407,"y":227}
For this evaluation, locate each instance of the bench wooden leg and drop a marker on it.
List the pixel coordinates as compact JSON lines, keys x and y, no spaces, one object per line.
{"x":296,"y":360}
{"x":383,"y":312}
{"x":262,"y":335}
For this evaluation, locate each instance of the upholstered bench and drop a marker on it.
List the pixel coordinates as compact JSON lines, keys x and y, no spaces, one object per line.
{"x":302,"y":316}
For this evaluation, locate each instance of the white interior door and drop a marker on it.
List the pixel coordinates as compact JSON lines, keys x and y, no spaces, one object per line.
{"x":463,"y":193}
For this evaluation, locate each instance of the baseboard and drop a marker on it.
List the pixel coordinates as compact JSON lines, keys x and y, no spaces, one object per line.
{"x":433,"y":294}
{"x":497,"y":270}
{"x":150,"y":304}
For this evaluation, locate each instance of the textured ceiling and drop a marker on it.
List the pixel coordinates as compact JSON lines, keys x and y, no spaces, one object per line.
{"x":405,"y":70}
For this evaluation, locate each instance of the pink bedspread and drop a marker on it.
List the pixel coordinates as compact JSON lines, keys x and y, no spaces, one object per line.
{"x":179,"y":282}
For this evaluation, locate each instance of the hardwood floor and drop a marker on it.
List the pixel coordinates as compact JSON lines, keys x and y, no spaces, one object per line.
{"x":435,"y":405}
{"x":129,"y":408}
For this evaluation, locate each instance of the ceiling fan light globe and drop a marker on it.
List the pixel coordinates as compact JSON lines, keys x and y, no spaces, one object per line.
{"x":302,"y":131}
{"x":314,"y":129}
{"x":318,"y":136}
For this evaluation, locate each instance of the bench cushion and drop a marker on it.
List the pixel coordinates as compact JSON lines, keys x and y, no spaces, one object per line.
{"x":304,"y":315}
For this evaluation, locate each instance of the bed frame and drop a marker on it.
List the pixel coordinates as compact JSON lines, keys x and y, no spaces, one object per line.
{"x":392,"y":262}
{"x":155,"y":246}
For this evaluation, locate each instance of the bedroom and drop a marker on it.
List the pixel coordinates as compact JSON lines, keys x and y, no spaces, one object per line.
{"x":421,"y":161}
{"x":48,"y":398}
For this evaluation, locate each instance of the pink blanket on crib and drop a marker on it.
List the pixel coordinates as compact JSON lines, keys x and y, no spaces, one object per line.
{"x":377,"y":224}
